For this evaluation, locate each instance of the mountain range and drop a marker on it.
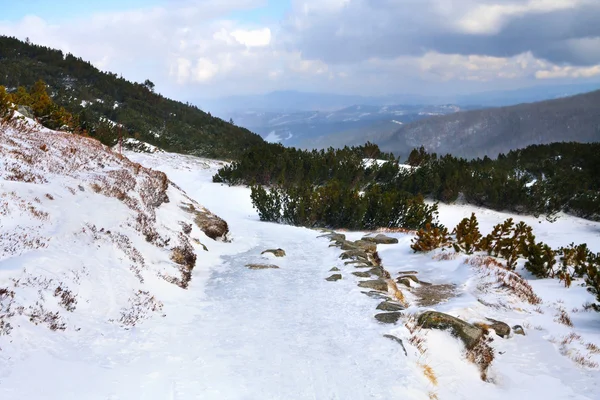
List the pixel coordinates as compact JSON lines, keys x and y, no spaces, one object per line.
{"x":489,"y":132}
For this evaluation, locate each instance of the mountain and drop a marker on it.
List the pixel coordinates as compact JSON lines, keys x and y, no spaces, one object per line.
{"x":96,"y":96}
{"x":346,"y":126}
{"x":478,"y":133}
{"x":294,"y":101}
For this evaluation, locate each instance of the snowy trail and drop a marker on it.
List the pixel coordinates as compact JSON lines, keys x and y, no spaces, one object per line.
{"x":235,"y":333}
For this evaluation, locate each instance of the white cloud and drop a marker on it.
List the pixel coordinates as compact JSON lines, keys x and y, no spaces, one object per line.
{"x":205,"y":70}
{"x":253,"y":38}
{"x":568,"y":72}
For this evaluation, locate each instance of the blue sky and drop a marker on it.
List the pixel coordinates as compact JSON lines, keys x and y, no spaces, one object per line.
{"x":60,"y":10}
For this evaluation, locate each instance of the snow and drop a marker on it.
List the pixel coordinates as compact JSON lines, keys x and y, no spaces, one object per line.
{"x":236,"y":333}
{"x":84,"y":103}
{"x":397,"y":122}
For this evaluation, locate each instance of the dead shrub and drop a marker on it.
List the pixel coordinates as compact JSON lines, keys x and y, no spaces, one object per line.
{"x":67,"y":298}
{"x":563,"y":317}
{"x":141,"y":304}
{"x":481,"y":355}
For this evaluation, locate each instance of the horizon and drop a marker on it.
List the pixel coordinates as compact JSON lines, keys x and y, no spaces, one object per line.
{"x":208,"y":50}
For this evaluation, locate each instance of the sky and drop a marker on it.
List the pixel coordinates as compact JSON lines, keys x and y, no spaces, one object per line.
{"x":214,"y":48}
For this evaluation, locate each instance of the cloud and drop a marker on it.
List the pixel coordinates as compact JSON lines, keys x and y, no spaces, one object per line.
{"x":360,"y":46}
{"x":253,"y":38}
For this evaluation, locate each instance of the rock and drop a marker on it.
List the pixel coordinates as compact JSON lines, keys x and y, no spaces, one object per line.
{"x":378,"y":271}
{"x":358,"y":264}
{"x":429,"y":295}
{"x":518,"y":330}
{"x":390,"y":306}
{"x":334,"y":236}
{"x":334,"y":269}
{"x":26,"y":111}
{"x":275,"y":252}
{"x":397,"y":340}
{"x":402,"y":273}
{"x":380,"y":239}
{"x":411,"y":277}
{"x":361,"y":274}
{"x":377,"y":295}
{"x":404,"y":281}
{"x":262,"y":266}
{"x":467,"y":333}
{"x":502,"y":329}
{"x":355,"y":254}
{"x":367,"y":247}
{"x":376,"y":284}
{"x":388,"y":317}
{"x":334,"y":277}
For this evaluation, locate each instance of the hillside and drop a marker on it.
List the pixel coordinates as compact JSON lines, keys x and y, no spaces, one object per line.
{"x":111,"y":286}
{"x":478,"y":133}
{"x":101,"y":97}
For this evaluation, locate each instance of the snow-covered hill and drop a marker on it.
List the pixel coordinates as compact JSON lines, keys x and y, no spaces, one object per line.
{"x":100,"y":238}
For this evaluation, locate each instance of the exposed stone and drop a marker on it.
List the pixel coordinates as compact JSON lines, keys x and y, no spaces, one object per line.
{"x":388,"y":317}
{"x":430,"y":295}
{"x":275,"y":252}
{"x":390,"y":306}
{"x":469,"y":334}
{"x":358,"y":264}
{"x":334,"y":277}
{"x":361,"y":274}
{"x":518,"y":330}
{"x":378,"y":271}
{"x":411,"y":277}
{"x":376,"y":284}
{"x":502,"y":329}
{"x":262,"y":266}
{"x":358,"y":255}
{"x":401,"y":273}
{"x":397,"y":340}
{"x":380,"y":239}
{"x":377,"y":295}
{"x":334,"y":269}
{"x":404,"y":281}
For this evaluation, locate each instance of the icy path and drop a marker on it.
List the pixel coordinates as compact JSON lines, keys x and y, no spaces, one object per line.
{"x":236,"y":333}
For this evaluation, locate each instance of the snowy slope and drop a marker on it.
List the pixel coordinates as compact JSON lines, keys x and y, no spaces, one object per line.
{"x":237,"y":333}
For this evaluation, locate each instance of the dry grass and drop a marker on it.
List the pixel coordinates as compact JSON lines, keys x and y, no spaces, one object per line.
{"x":592,"y":348}
{"x":481,"y":355}
{"x":445,"y":256}
{"x":141,"y":305}
{"x":562,"y":317}
{"x":429,"y":374}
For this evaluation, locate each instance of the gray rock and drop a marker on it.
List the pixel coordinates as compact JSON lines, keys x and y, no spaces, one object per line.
{"x":361,"y":274}
{"x":377,"y":295}
{"x":502,"y":329}
{"x":358,"y":255}
{"x":377,"y":271}
{"x":261,"y":266}
{"x":411,"y":277}
{"x":518,"y":330}
{"x":390,"y":306}
{"x":380,"y":239}
{"x":388,"y":317}
{"x":275,"y":252}
{"x":334,"y":277}
{"x":469,"y":334}
{"x":376,"y":284}
{"x":401,"y":273}
{"x":397,"y":340}
{"x":404,"y":281}
{"x":26,"y":111}
{"x":334,"y":269}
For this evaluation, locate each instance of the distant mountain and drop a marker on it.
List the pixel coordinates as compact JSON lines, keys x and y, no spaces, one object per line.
{"x":294,"y":101}
{"x":478,"y":133}
{"x":96,"y":96}
{"x":348,"y":126}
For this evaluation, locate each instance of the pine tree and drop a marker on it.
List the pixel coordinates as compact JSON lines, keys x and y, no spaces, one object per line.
{"x":6,"y":109}
{"x":467,"y":235}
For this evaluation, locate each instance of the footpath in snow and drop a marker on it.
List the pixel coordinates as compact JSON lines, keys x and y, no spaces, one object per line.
{"x":284,"y":333}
